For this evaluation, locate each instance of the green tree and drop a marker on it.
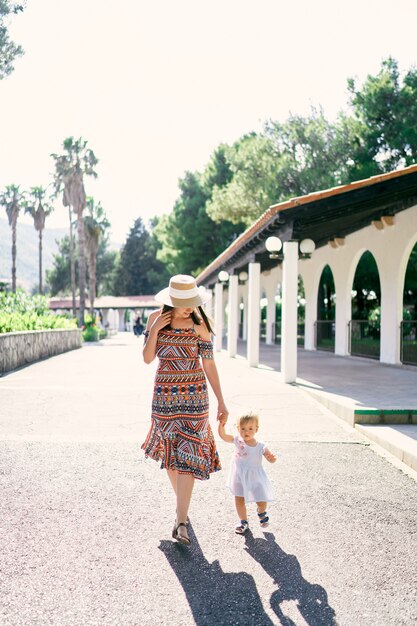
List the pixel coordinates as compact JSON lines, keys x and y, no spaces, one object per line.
{"x":71,"y":166}
{"x":95,"y":224}
{"x":9,"y":51}
{"x":386,"y":108}
{"x":58,"y":278}
{"x":38,"y":206}
{"x":252,"y":187}
{"x":190,"y":238}
{"x":13,"y":200}
{"x":288,"y":159}
{"x":139,"y":271}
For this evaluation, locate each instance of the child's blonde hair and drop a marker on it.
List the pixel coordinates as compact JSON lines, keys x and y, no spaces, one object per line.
{"x":249,"y":417}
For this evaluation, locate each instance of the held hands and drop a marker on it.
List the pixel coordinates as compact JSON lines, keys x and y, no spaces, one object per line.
{"x":222,"y":413}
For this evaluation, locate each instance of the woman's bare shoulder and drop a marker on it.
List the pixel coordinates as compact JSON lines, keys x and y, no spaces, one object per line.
{"x":202,"y":331}
{"x":152,"y":317}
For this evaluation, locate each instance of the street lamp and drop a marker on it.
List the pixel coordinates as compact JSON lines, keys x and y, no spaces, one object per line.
{"x":307,"y":247}
{"x":273,"y":245}
{"x":243,"y":276}
{"x":223,"y":276}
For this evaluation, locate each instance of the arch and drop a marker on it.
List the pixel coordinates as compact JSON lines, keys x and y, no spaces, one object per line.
{"x":325,"y":327}
{"x":367,"y":285}
{"x":405,"y":259}
{"x":365,"y":323}
{"x":409,"y":310}
{"x":326,"y":295}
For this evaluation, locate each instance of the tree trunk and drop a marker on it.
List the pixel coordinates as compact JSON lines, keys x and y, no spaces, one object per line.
{"x":14,"y":231}
{"x":40,"y":262}
{"x":72,"y":258}
{"x":81,"y":263}
{"x":92,"y":269}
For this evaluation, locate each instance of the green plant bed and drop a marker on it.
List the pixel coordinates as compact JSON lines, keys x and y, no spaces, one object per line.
{"x":326,"y":344}
{"x":365,"y":347}
{"x":20,"y":312}
{"x":409,"y":354}
{"x":91,"y":332}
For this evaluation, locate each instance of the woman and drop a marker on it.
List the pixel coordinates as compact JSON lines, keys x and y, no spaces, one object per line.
{"x":180,"y":435}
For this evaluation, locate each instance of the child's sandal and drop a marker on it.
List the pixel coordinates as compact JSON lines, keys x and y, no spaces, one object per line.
{"x":244,"y":526}
{"x":263,"y":519}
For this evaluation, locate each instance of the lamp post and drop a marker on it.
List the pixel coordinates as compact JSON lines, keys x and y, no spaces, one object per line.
{"x":291,"y":252}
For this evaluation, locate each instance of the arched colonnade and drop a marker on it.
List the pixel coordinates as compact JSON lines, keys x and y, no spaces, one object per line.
{"x":390,"y":242}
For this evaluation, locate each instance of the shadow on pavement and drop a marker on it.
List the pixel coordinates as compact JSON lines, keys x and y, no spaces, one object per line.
{"x":215,"y":597}
{"x":285,"y":570}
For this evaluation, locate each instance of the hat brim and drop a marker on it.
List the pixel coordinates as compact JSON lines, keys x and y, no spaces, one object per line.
{"x":200,"y":299}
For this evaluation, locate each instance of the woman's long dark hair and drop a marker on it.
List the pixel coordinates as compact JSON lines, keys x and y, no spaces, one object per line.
{"x":196,"y":318}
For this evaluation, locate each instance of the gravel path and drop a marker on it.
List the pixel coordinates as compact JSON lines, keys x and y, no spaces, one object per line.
{"x":85,"y":520}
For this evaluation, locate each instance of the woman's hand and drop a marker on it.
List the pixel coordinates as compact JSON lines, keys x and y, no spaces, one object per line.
{"x":222,"y":413}
{"x":161,"y":321}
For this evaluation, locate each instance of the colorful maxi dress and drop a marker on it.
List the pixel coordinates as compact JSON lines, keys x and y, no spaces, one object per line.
{"x":180,"y":435}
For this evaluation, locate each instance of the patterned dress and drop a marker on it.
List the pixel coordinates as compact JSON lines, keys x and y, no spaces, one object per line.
{"x":180,"y":435}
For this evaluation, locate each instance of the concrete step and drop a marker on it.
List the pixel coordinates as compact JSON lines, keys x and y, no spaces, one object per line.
{"x":399,"y":440}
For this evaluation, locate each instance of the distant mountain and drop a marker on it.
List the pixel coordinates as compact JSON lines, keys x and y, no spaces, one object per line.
{"x":27,"y":252}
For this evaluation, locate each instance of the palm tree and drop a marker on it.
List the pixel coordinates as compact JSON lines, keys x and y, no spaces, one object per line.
{"x":39,"y":207}
{"x":95,"y":224}
{"x":12,"y":199}
{"x":76,"y":162}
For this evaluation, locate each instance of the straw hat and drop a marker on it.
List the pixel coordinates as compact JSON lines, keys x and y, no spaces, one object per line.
{"x":183,"y":292}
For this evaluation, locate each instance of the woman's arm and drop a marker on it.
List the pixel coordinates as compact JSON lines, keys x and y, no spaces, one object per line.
{"x":156,"y":321}
{"x":223,"y":434}
{"x":212,"y":374}
{"x":210,"y":369}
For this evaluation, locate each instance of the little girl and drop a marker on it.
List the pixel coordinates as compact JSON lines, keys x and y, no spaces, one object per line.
{"x":247,"y":479}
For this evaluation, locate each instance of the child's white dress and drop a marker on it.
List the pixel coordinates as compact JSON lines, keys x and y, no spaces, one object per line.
{"x":247,"y":477}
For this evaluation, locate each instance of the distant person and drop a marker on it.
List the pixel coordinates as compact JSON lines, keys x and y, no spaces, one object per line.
{"x":248,"y":481}
{"x":138,"y":327}
{"x":180,"y":436}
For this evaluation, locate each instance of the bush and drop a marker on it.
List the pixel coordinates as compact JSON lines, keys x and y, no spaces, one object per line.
{"x":19,"y":312}
{"x":90,"y":330}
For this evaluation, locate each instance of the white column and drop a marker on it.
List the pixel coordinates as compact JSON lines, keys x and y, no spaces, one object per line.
{"x":245,"y":315}
{"x":121,"y":320}
{"x":391,"y":313}
{"x":218,"y":316}
{"x":209,"y":307}
{"x":254,"y":313}
{"x":233,"y":319}
{"x":310,"y":315}
{"x":289,"y":312}
{"x":270,"y":313}
{"x":115,"y":319}
{"x":343,"y":315}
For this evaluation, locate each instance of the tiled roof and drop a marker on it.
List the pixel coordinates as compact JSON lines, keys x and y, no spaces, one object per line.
{"x":265,"y":219}
{"x":108,"y":302}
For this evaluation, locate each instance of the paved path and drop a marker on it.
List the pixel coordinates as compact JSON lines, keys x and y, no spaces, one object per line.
{"x":86,"y":520}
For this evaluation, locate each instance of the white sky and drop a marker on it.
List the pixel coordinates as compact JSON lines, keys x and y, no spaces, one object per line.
{"x":156,"y":86}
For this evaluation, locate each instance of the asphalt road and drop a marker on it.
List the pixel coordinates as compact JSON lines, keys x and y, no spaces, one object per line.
{"x":85,"y":520}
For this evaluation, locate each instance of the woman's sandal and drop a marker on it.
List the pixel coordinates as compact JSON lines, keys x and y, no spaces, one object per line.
{"x":263,"y":519}
{"x":244,"y":526}
{"x":180,"y":538}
